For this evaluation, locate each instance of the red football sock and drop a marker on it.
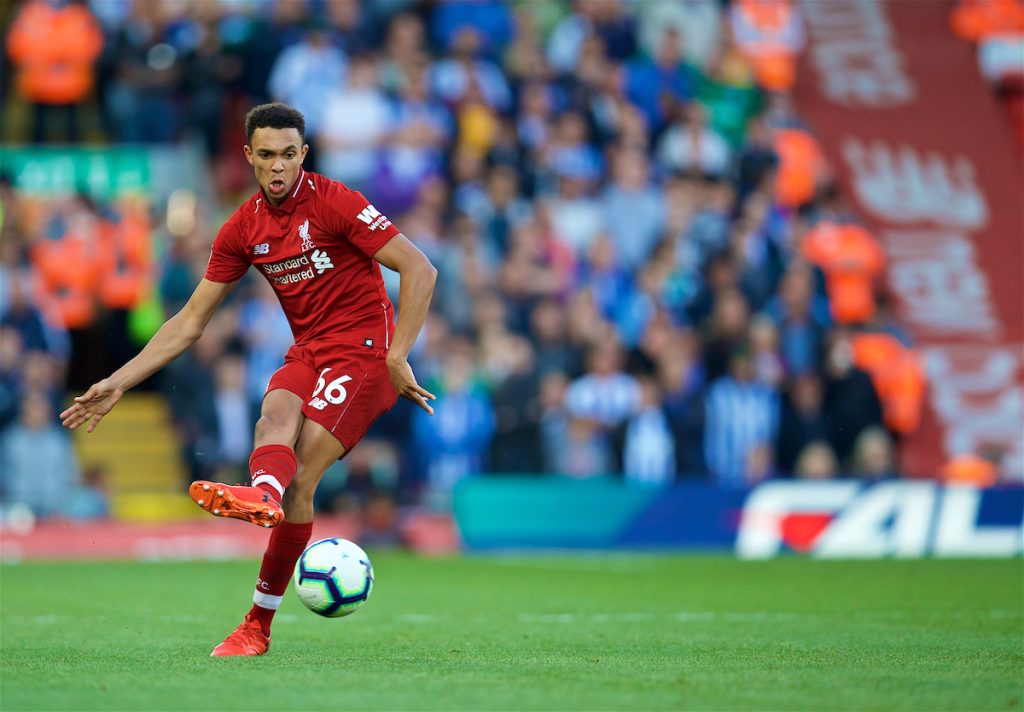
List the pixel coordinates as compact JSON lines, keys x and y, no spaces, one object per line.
{"x":287,"y":542}
{"x":272,"y":468}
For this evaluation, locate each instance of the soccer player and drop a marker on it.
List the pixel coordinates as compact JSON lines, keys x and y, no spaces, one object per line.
{"x":318,"y":244}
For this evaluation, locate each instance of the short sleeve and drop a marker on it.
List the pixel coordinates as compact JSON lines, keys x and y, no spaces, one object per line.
{"x":229,"y":259}
{"x":358,"y":220}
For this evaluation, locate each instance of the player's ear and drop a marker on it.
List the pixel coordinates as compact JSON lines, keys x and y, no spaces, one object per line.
{"x":305,"y":150}
{"x":247,"y":150}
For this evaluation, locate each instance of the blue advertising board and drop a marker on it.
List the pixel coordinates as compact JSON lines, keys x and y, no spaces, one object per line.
{"x":830,"y":519}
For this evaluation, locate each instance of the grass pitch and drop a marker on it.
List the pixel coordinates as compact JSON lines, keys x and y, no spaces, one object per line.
{"x":542,"y":632}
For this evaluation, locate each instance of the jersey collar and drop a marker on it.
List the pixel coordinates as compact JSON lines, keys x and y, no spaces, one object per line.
{"x":288,"y":204}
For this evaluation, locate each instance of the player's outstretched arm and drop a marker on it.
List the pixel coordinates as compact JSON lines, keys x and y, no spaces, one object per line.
{"x":416,"y":287}
{"x":177,"y":334}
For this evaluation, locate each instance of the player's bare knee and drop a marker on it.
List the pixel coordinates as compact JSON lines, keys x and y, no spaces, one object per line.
{"x":272,"y":429}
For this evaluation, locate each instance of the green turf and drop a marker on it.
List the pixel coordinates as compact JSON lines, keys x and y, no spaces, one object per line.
{"x":586,"y":632}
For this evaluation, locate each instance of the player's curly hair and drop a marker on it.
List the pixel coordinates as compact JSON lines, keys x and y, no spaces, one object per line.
{"x":274,"y":116}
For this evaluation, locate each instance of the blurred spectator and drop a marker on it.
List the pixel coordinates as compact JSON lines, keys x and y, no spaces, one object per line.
{"x":54,"y":44}
{"x":852,"y":261}
{"x":801,"y":422}
{"x":816,"y":462}
{"x":649,"y":452}
{"x":634,"y":209}
{"x":898,"y":377}
{"x":874,"y":457}
{"x":801,"y":318}
{"x":489,"y":19}
{"x":453,"y":442}
{"x":661,"y":84}
{"x":801,"y":167}
{"x":851,"y":401}
{"x":555,"y":352}
{"x":691,"y":145}
{"x":148,"y":67}
{"x":970,"y":469}
{"x":997,"y":27}
{"x":89,"y":499}
{"x":265,"y":333}
{"x":517,"y":411}
{"x":420,"y":127}
{"x":731,"y":99}
{"x":37,"y":462}
{"x":234,"y":417}
{"x":726,"y":331}
{"x":698,"y":23}
{"x":771,"y":34}
{"x":682,"y":379}
{"x":464,"y":71}
{"x":741,"y":424}
{"x":189,"y":387}
{"x":207,"y":73}
{"x":575,"y":214}
{"x":12,"y":354}
{"x":356,"y":120}
{"x":404,"y":54}
{"x":307,"y":72}
{"x":604,"y":394}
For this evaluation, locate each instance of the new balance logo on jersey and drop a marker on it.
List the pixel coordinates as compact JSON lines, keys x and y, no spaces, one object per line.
{"x":307,"y":241}
{"x":372,"y":217}
{"x":318,"y":403}
{"x":261,"y":249}
{"x":322,"y":261}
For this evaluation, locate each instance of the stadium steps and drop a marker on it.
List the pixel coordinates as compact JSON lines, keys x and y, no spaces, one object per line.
{"x":136,"y":447}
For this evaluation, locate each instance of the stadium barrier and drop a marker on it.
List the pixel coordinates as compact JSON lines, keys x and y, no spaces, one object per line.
{"x":201,"y":539}
{"x":833,"y":519}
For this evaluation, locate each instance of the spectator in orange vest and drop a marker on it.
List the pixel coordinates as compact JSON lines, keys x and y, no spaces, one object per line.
{"x":970,"y":469}
{"x":852,"y":260}
{"x":977,"y":20}
{"x":771,"y":35}
{"x":73,"y":266}
{"x":801,"y":167}
{"x":53,"y":44}
{"x":898,"y":377}
{"x":997,"y":27}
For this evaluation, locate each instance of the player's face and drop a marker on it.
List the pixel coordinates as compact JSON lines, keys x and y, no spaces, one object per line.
{"x":276,"y":156}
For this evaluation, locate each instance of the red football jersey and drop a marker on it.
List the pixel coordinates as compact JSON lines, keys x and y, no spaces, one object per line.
{"x":316,"y":249}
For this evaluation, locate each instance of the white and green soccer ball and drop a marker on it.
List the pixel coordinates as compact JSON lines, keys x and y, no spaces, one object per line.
{"x":333,"y":577}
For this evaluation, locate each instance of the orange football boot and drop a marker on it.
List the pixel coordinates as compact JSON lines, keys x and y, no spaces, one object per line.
{"x":247,"y":639}
{"x":238,"y":502}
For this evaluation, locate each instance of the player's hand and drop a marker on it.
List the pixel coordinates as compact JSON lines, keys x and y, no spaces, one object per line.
{"x":91,"y":406}
{"x":405,"y":383}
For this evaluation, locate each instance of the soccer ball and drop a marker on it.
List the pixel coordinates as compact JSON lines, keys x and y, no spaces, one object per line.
{"x":333,"y":577}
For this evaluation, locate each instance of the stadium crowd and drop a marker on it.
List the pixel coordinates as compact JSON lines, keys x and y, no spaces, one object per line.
{"x":645,"y":267}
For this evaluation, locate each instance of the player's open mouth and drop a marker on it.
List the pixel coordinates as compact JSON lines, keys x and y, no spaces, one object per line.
{"x":277,"y":185}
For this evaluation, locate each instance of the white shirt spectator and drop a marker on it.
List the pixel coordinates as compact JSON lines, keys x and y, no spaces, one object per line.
{"x":566,"y":43}
{"x":356,"y":120}
{"x":680,"y":150}
{"x":739,"y":417}
{"x":304,"y":74}
{"x":450,"y":80}
{"x":577,"y":222}
{"x":697,"y":21}
{"x":650,"y":452}
{"x":635,"y":220}
{"x":609,"y":400}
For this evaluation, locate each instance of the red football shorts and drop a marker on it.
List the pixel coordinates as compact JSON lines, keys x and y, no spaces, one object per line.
{"x":343,"y":387}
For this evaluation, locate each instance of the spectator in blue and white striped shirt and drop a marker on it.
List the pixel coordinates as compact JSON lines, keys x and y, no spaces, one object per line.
{"x":741,"y":420}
